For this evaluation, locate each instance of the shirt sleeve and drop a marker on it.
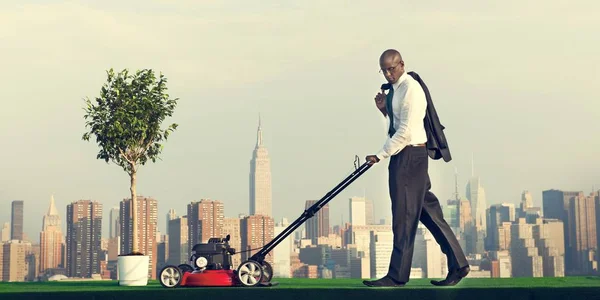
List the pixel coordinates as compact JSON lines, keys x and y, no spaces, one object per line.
{"x":411,"y":108}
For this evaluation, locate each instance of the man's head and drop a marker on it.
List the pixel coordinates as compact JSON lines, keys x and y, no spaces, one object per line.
{"x":391,"y":64}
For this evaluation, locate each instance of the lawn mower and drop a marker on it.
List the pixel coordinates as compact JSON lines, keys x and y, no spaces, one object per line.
{"x":211,"y":263}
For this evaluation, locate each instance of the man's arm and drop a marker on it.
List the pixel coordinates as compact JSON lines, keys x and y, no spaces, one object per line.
{"x":413,"y":106}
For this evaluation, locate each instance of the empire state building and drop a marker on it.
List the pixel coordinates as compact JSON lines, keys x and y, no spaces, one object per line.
{"x":260,"y":178}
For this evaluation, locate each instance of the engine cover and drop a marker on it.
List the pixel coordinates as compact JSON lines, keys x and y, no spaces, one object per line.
{"x":216,"y":253}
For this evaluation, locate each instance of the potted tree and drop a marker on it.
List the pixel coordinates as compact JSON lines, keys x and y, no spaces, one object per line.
{"x":126,"y":121}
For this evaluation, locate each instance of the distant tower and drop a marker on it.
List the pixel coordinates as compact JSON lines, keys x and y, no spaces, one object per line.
{"x":526,"y":200}
{"x":456,"y":194}
{"x":51,"y":240}
{"x":171,"y":215}
{"x":84,"y":238}
{"x":16,"y":222}
{"x":317,"y":226}
{"x":115,"y":223}
{"x":476,"y":196}
{"x":260,"y":178}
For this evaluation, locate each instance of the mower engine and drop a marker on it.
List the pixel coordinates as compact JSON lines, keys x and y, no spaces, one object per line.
{"x":214,"y":255}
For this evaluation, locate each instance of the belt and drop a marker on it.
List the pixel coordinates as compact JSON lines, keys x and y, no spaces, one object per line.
{"x":417,"y":145}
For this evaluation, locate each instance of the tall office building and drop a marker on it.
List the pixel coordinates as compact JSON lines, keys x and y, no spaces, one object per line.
{"x":282,"y":254}
{"x":205,"y":221}
{"x":358,"y":211}
{"x":582,"y":213}
{"x":115,"y":223}
{"x":171,"y":215}
{"x":260,"y":178}
{"x":450,"y":211}
{"x":147,"y":220}
{"x":476,"y":196}
{"x":526,"y":200}
{"x":526,"y":258}
{"x":14,"y":266}
{"x":255,"y":232}
{"x":467,"y":227}
{"x":178,"y":240}
{"x":16,"y":221}
{"x":550,"y":241}
{"x":318,"y":225}
{"x":84,"y":238}
{"x":527,"y":210}
{"x":497,"y":214}
{"x":51,"y":240}
{"x":231,"y":227}
{"x":577,"y":212}
{"x":5,"y":233}
{"x":369,"y":212}
{"x":381,"y":245}
{"x":427,"y":255}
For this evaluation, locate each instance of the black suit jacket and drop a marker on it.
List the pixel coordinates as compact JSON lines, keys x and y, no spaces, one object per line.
{"x":437,"y":145}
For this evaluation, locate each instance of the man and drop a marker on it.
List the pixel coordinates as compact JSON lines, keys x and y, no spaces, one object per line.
{"x":411,"y":137}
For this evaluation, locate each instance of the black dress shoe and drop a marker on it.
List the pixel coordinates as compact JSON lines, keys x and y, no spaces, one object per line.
{"x":383,"y":282}
{"x":453,"y":278}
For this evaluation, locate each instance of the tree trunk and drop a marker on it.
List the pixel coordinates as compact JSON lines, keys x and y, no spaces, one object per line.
{"x":134,"y":211}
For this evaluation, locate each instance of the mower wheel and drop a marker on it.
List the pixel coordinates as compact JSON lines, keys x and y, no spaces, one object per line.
{"x":185,"y":268}
{"x":170,"y":276}
{"x":250,"y":273}
{"x":267,"y":272}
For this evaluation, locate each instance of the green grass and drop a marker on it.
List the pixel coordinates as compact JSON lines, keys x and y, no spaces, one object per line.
{"x":312,"y":289}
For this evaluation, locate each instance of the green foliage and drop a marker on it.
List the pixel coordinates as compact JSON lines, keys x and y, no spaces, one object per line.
{"x":126,"y":118}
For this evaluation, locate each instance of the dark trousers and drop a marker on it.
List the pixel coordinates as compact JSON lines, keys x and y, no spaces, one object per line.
{"x":412,"y":201}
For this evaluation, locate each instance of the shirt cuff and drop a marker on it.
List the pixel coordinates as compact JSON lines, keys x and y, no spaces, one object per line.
{"x":382,"y":155}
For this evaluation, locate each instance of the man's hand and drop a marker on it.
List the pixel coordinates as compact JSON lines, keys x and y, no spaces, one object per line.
{"x":380,"y":99}
{"x":372,"y":159}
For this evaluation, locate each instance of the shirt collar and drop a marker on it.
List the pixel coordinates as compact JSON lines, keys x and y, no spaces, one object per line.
{"x":400,"y":80}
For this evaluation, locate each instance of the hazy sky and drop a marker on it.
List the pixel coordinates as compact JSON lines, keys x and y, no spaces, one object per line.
{"x":513,"y":82}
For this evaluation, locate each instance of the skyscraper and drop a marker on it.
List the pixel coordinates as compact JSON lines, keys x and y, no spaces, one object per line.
{"x":318,"y":225}
{"x":16,"y":222}
{"x":147,"y":218}
{"x":260,"y":178}
{"x":171,"y":215}
{"x":451,"y":210}
{"x":5,"y":233}
{"x":231,"y":226}
{"x":84,"y":238}
{"x":526,"y":200}
{"x":526,"y":258}
{"x":14,"y":265}
{"x":51,"y":239}
{"x":115,"y":221}
{"x":476,"y":196}
{"x":255,"y":232}
{"x":582,"y":214}
{"x":550,"y":241}
{"x":178,"y":240}
{"x":358,"y":211}
{"x":283,"y":252}
{"x":556,"y":205}
{"x":205,"y":221}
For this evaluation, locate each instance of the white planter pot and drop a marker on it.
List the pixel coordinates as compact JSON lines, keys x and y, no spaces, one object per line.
{"x":133,"y":270}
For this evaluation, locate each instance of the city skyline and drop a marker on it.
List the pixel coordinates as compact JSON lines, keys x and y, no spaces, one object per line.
{"x":535,"y":241}
{"x":260,"y":155}
{"x":496,"y":78}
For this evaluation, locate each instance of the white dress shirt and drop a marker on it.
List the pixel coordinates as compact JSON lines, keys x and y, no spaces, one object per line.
{"x":409,"y":107}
